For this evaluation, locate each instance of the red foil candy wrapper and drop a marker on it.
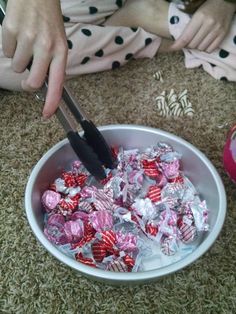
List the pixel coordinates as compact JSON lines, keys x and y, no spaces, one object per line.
{"x":108,"y":239}
{"x":151,"y":229}
{"x":146,"y":203}
{"x":99,"y":251}
{"x":129,"y":262}
{"x":85,"y":260}
{"x":154,"y":193}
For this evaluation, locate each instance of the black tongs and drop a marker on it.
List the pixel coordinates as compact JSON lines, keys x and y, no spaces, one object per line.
{"x":91,"y":149}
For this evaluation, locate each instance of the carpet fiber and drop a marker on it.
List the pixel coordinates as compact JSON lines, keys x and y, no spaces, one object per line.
{"x":33,"y":281}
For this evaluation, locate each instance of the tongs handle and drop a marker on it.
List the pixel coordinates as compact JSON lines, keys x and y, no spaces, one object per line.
{"x":73,"y":105}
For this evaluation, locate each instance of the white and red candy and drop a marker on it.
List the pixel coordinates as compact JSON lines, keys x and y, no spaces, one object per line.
{"x":142,"y":198}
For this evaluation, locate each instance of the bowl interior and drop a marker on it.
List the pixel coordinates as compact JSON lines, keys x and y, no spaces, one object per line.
{"x":196,"y":167}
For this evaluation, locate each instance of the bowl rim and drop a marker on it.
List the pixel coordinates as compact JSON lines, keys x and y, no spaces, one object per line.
{"x":135,"y":276}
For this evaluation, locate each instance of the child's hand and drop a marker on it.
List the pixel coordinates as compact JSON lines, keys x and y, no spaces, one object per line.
{"x":35,"y":29}
{"x":208,"y":26}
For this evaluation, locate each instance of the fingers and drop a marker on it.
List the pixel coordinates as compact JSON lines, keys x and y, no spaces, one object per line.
{"x":8,"y":39}
{"x":37,"y":73}
{"x":200,"y":38}
{"x":22,"y":56}
{"x":207,"y":41}
{"x":55,"y":85}
{"x":215,"y":44}
{"x":188,"y":34}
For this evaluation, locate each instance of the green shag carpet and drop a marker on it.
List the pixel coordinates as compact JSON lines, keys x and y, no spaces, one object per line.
{"x":33,"y":281}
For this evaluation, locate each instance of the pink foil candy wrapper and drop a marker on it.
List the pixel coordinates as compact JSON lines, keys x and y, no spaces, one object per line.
{"x":126,"y":241}
{"x":54,"y":230}
{"x":170,"y":164}
{"x":101,"y":220}
{"x":146,"y":202}
{"x":74,"y":230}
{"x":50,"y":200}
{"x":76,"y":165}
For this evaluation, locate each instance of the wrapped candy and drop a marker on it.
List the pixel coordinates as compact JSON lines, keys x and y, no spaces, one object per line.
{"x":188,"y":232}
{"x":54,"y":230}
{"x":126,"y":241}
{"x":74,"y":230}
{"x":145,"y":204}
{"x":101,"y":220}
{"x":117,"y":266}
{"x":50,"y":200}
{"x":169,"y":245}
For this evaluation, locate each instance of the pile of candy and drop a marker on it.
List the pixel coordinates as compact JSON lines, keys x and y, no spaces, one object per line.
{"x":146,"y":202}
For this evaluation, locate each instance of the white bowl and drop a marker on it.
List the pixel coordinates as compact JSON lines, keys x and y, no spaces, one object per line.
{"x":195,"y":164}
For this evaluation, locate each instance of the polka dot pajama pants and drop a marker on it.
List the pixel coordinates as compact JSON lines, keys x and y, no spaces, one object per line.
{"x":221,"y":63}
{"x":94,"y":47}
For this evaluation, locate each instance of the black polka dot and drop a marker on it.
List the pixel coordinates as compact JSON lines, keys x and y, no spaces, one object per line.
{"x":115,"y":65}
{"x":234,"y":40}
{"x":148,"y":41}
{"x":86,"y":32}
{"x":85,"y":60}
{"x":119,"y":3}
{"x":65,"y":18}
{"x":174,"y":19}
{"x":223,"y":78}
{"x":119,"y":40}
{"x":99,"y":53}
{"x":212,"y":64}
{"x":69,"y":43}
{"x":128,"y":56}
{"x":223,"y":53}
{"x":134,"y":29}
{"x":93,"y":10}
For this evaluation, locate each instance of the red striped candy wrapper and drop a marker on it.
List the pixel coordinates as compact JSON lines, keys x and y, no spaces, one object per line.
{"x":80,"y":179}
{"x":89,"y":234}
{"x":99,"y":251}
{"x":117,"y":266}
{"x":108,"y":239}
{"x":107,"y":179}
{"x":154,"y":193}
{"x":69,"y":179}
{"x":188,"y":233}
{"x":86,"y":207}
{"x":69,"y":203}
{"x":178,"y":179}
{"x":151,"y":229}
{"x":150,"y":168}
{"x":85,"y":260}
{"x":129,"y":262}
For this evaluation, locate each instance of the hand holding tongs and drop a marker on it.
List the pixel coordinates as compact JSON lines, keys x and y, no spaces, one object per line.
{"x":92,"y":148}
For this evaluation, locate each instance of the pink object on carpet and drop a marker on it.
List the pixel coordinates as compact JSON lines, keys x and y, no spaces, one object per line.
{"x":229,"y":154}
